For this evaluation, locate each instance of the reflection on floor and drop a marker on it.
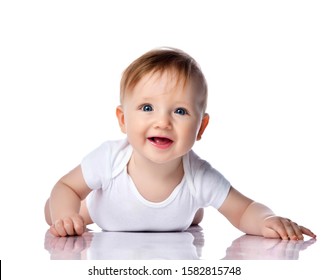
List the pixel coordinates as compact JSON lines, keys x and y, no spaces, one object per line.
{"x":248,"y":247}
{"x":186,"y":245}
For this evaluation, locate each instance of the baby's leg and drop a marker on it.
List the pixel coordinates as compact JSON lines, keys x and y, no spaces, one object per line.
{"x":83,"y":212}
{"x":198,"y":217}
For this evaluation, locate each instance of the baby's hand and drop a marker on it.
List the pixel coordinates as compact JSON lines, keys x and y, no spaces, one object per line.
{"x":279,"y":227}
{"x":70,"y":225}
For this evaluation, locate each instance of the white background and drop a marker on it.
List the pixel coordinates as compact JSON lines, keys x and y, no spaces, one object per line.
{"x":60,"y":67}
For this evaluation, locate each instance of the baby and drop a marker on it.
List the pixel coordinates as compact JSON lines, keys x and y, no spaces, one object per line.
{"x":152,"y":180}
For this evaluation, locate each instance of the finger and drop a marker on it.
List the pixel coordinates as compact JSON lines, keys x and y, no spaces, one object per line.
{"x":270,"y":229}
{"x":289,"y":228}
{"x":79,"y":226}
{"x":298,"y":231}
{"x":59,"y":226}
{"x":307,"y":231}
{"x":69,"y":226}
{"x":281,"y":229}
{"x":53,"y":231}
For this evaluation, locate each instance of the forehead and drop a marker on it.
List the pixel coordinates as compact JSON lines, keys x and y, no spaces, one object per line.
{"x":166,"y":82}
{"x":176,"y":77}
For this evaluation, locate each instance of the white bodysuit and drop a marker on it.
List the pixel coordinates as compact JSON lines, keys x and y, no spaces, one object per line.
{"x":116,"y":205}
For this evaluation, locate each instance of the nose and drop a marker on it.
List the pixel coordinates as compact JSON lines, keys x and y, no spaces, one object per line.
{"x":163,"y":121}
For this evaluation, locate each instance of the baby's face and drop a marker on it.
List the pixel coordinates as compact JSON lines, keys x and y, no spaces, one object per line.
{"x":161,"y":117}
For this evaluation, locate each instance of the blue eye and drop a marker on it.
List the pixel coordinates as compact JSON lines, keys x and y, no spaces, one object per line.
{"x":180,"y":111}
{"x":147,"y":108}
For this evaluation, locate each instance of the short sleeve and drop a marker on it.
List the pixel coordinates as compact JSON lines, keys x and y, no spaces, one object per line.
{"x":214,"y":187}
{"x":211,"y":187}
{"x":105,"y":162}
{"x":96,"y":166}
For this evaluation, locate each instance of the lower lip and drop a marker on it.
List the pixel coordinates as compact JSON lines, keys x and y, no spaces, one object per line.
{"x":162,"y":146}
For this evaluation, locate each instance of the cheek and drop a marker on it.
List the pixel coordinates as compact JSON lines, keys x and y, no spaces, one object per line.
{"x":129,"y":120}
{"x":134,"y":125}
{"x":190,"y":132}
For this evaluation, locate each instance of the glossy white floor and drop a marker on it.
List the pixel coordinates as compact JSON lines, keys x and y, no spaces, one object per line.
{"x":206,"y":242}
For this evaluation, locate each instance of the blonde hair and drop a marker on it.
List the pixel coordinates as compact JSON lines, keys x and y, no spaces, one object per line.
{"x":161,"y":60}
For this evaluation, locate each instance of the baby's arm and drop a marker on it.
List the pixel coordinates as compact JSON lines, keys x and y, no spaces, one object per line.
{"x":257,"y":219}
{"x":63,"y":207}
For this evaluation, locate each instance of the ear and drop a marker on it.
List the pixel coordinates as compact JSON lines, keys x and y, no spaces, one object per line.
{"x":121,"y":118}
{"x":204,"y":123}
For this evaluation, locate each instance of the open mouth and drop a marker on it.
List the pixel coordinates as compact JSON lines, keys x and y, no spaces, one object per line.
{"x":160,"y":142}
